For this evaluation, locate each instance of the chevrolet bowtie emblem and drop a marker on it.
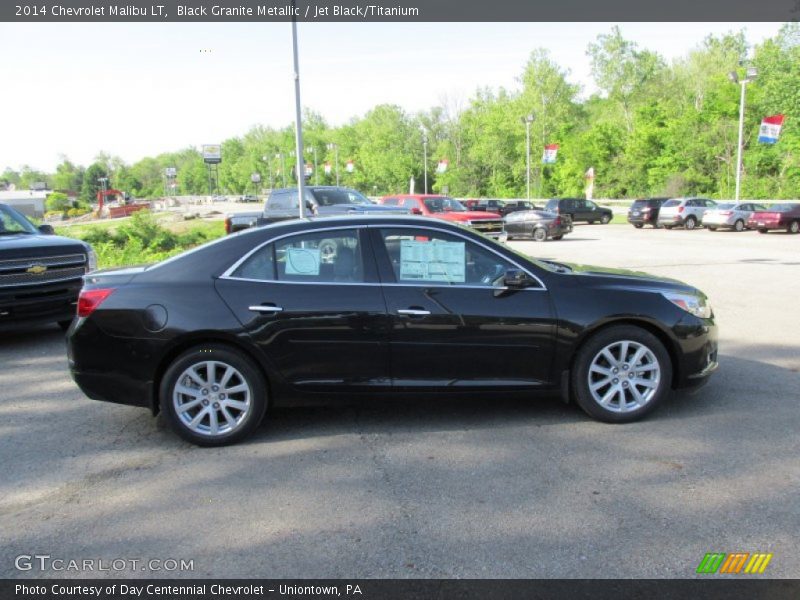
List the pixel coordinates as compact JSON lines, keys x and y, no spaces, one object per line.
{"x":37,"y":269}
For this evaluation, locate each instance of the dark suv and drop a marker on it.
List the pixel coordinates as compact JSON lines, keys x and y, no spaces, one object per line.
{"x":40,"y":273}
{"x":644,"y":211}
{"x":580,"y":209}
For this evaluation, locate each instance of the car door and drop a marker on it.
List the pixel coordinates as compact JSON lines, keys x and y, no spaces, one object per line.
{"x":453,"y":326}
{"x":313,"y":305}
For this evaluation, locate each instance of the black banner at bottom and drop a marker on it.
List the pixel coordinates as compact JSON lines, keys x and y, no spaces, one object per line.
{"x":401,"y":589}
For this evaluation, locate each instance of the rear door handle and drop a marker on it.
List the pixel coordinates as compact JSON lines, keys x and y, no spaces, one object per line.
{"x":413,"y":312}
{"x":266,"y":308}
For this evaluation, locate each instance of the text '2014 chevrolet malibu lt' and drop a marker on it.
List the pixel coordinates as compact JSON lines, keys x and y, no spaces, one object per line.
{"x":380,"y":305}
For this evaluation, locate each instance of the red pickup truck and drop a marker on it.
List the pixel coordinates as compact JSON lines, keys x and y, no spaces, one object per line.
{"x":448,"y":209}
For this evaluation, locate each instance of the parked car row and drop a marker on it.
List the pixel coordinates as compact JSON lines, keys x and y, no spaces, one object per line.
{"x":691,"y":213}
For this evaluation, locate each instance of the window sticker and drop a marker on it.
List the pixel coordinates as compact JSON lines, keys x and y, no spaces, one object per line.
{"x":302,"y":261}
{"x":432,"y":261}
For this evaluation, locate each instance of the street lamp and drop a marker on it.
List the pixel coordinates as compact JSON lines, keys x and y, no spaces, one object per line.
{"x":313,"y":150}
{"x":269,"y":169}
{"x":750,"y":74}
{"x":280,"y":156}
{"x":528,"y":119}
{"x":300,"y":166}
{"x":425,"y":159}
{"x":335,"y":147}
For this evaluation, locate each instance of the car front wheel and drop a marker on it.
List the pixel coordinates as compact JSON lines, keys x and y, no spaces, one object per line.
{"x":213,"y":395}
{"x":621,"y":374}
{"x":539,"y":234}
{"x":691,"y":223}
{"x":794,"y":227}
{"x":739,"y":225}
{"x":605,"y":219}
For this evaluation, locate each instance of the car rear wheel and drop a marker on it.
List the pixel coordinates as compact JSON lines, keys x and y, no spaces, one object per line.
{"x":762,"y":231}
{"x":605,"y":219}
{"x":794,"y":227}
{"x":710,"y":228}
{"x":691,"y":223}
{"x":621,"y":374}
{"x":638,"y":225}
{"x":738,"y":225}
{"x":557,"y":237}
{"x":539,"y":234}
{"x":213,"y":395}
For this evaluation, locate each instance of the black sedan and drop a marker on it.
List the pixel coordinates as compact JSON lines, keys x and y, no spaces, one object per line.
{"x":378,"y":305}
{"x":537,"y":225}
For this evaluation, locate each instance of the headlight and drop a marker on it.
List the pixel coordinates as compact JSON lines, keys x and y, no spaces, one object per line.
{"x":691,"y":303}
{"x":91,"y":263}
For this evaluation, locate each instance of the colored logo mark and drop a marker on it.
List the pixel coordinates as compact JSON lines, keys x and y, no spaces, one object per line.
{"x":734,"y":563}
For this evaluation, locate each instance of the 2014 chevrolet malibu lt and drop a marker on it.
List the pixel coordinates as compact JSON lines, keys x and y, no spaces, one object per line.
{"x":379,"y":305}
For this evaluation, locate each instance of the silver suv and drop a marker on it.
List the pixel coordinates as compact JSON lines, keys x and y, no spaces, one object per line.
{"x":687,"y":212}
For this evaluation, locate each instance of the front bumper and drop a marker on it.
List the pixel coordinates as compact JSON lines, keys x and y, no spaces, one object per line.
{"x":699,"y":348}
{"x":33,"y":305}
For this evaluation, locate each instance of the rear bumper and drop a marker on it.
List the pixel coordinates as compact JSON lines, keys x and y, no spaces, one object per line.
{"x":642,"y":219}
{"x":768,"y":225}
{"x":718,"y":221}
{"x":113,"y":387}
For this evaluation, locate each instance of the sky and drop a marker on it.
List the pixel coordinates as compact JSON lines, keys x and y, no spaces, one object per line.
{"x":139,"y":89}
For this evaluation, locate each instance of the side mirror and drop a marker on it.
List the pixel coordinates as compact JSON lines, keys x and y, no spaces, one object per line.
{"x":516,"y":278}
{"x":416,"y":211}
{"x":47,"y":229}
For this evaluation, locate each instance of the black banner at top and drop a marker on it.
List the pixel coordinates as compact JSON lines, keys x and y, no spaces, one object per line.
{"x":367,"y":11}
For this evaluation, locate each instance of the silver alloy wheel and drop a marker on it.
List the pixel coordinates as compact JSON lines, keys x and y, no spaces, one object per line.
{"x":739,"y":225}
{"x":539,"y":234}
{"x":212,"y":398}
{"x":794,"y":227}
{"x":624,"y":376}
{"x":690,"y":223}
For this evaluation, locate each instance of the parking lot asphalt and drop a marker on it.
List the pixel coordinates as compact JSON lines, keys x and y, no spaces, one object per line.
{"x":478,"y":488}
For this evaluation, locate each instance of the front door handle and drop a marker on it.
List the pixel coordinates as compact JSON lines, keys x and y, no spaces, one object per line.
{"x":266,"y":308}
{"x":413,"y":312}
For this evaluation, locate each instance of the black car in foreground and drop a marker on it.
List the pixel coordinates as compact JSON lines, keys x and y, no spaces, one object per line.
{"x":644,"y":211}
{"x":537,"y":225}
{"x":378,"y":305}
{"x":40,"y":273}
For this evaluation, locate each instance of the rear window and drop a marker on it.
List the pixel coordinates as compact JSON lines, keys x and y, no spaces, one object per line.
{"x":551,"y":205}
{"x":640,"y":204}
{"x":669,"y":203}
{"x":727,"y":205}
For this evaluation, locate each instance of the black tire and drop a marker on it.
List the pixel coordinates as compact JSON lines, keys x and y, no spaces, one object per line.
{"x":762,"y":231}
{"x":539,"y":234}
{"x":711,"y":228}
{"x":557,"y":237}
{"x":247,"y":373}
{"x":794,"y":227}
{"x":605,"y":219}
{"x":591,"y":222}
{"x":657,"y":225}
{"x":668,"y":226}
{"x":64,"y":324}
{"x":738,"y":225}
{"x":638,"y":225}
{"x":579,"y":377}
{"x":690,"y":223}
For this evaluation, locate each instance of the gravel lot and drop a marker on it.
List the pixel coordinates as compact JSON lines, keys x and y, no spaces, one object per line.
{"x":482,"y":488}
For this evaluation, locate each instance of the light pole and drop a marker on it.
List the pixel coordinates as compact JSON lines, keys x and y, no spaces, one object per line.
{"x":425,"y":160}
{"x":528,"y":119}
{"x":750,"y":74}
{"x":313,"y":150}
{"x":335,"y":147}
{"x":269,"y":169}
{"x":280,"y":156}
{"x":300,"y":161}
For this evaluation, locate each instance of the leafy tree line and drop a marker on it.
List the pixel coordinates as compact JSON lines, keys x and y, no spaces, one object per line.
{"x":653,"y":128}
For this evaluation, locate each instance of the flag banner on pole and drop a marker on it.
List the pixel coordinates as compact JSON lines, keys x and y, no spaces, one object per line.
{"x":550,"y":152}
{"x":309,"y":169}
{"x":350,"y":166}
{"x":589,"y":173}
{"x":770,"y":129}
{"x":327,"y":168}
{"x":442,"y":166}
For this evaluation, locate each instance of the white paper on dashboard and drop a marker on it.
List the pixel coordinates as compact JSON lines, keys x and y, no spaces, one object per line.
{"x":432,"y":261}
{"x":302,"y":261}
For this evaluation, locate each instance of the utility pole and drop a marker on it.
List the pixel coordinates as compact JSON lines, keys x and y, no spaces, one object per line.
{"x":300,"y":161}
{"x":528,"y":120}
{"x":751,"y":74}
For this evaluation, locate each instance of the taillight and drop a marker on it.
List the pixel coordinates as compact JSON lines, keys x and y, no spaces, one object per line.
{"x":646,"y":209}
{"x":557,"y":221}
{"x":89,"y":300}
{"x":680,"y":209}
{"x":726,"y":213}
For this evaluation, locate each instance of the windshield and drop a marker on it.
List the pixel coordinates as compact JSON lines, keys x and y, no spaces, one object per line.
{"x":330,"y":197}
{"x":12,"y":222}
{"x":439,"y":204}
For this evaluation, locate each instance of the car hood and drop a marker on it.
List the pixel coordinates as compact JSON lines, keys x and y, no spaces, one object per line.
{"x":361,"y":208}
{"x":593,"y":275}
{"x":463,"y":217}
{"x":26,"y":245}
